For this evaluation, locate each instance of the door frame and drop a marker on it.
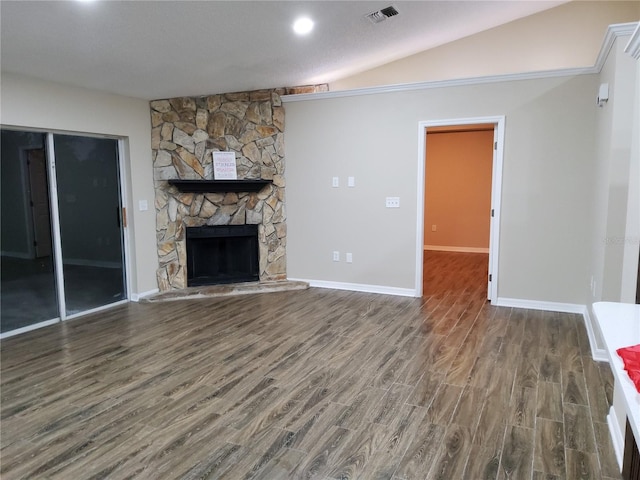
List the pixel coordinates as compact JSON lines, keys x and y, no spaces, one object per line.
{"x":496,"y":195}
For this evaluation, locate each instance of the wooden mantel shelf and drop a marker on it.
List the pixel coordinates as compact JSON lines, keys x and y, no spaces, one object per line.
{"x":212,"y":186}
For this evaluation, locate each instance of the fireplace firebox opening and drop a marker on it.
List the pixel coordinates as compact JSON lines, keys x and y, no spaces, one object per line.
{"x":219,"y":254}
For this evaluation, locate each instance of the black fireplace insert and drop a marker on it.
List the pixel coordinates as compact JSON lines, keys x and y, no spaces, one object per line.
{"x":218,"y":254}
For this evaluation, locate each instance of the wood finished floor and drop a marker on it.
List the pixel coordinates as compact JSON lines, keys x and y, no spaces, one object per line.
{"x":309,"y":384}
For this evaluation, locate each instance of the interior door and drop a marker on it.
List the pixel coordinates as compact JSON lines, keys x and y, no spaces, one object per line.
{"x":39,"y":201}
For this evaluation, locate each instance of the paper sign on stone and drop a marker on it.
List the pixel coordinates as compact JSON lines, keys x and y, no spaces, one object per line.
{"x":224,"y":166}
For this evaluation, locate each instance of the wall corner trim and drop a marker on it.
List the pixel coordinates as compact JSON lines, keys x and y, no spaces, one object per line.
{"x":358,"y":287}
{"x":633,"y":47}
{"x":135,"y":297}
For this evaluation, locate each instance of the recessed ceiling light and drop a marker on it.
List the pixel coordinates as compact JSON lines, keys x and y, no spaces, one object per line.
{"x":303,"y":26}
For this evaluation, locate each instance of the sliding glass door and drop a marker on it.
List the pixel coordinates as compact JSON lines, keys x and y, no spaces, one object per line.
{"x":27,"y":278}
{"x":91,"y":233}
{"x":62,"y":227}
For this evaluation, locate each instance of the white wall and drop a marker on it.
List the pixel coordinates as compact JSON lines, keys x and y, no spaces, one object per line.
{"x":632,"y":233}
{"x":548,"y":173}
{"x":615,"y":190}
{"x":31,"y":103}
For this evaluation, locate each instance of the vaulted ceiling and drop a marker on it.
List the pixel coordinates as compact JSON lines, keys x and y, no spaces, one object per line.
{"x":162,"y":49}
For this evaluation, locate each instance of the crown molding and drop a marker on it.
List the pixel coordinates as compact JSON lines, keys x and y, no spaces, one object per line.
{"x":613,"y":32}
{"x":633,"y":47}
{"x":406,"y":87}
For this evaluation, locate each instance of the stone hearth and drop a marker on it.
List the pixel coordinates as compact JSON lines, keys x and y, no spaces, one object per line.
{"x":214,"y":291}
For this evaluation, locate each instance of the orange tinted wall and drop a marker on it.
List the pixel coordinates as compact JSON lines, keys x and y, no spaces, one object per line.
{"x":458,"y":189}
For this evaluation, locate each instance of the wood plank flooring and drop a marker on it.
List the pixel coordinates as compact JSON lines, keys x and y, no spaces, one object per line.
{"x":308,"y":384}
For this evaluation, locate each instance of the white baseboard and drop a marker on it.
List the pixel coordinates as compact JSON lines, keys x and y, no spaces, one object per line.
{"x":135,"y":297}
{"x":539,"y":305}
{"x":616,"y":436}
{"x":358,"y":287}
{"x":598,"y":354}
{"x":441,"y":248}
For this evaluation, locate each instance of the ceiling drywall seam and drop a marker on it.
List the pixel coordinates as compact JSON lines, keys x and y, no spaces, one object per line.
{"x":613,"y":32}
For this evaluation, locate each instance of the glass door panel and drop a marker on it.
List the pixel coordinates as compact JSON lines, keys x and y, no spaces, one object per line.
{"x":89,"y":211}
{"x":27,"y":278}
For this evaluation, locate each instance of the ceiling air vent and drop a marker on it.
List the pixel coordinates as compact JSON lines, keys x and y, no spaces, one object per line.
{"x":381,"y":15}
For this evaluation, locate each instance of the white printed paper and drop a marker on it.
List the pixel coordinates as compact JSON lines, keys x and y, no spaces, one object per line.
{"x":224,"y":166}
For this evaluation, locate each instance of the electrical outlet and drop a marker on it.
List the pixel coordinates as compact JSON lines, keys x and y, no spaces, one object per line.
{"x":336,"y":256}
{"x":335,"y":182}
{"x":393,"y":202}
{"x":349,"y":257}
{"x":351,"y":181}
{"x":143,"y":205}
{"x":434,"y":228}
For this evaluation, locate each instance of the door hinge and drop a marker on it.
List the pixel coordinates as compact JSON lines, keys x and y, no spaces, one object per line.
{"x":124,"y":217}
{"x":495,"y":145}
{"x":35,"y":243}
{"x":493,"y":212}
{"x":490,"y":277}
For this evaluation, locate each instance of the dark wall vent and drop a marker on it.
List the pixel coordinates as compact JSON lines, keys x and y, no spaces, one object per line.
{"x":382,"y":14}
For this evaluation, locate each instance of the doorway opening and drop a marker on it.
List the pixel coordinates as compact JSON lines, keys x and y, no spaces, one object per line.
{"x":460,"y":174}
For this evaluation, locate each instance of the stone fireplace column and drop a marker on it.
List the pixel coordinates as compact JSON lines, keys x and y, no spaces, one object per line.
{"x":185,"y":133}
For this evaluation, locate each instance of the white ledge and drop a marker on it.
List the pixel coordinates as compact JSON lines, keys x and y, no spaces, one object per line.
{"x":619,"y":324}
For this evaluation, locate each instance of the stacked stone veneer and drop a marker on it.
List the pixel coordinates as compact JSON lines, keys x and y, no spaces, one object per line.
{"x":185,"y":132}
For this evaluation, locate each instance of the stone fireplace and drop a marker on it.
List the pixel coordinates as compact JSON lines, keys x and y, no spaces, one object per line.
{"x":185,"y":132}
